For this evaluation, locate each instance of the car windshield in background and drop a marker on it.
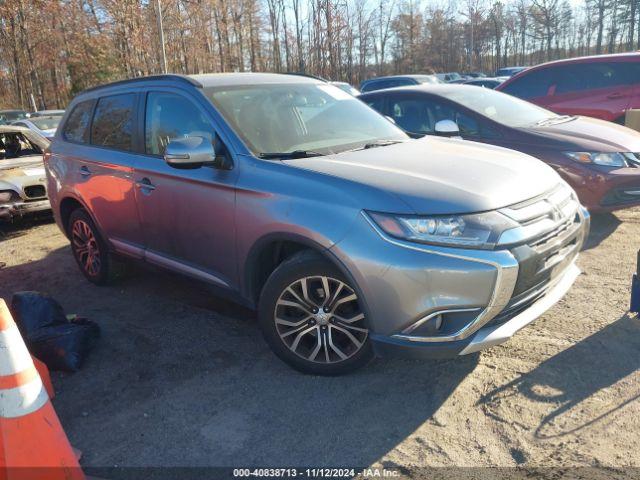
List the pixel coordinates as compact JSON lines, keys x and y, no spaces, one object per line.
{"x":296,"y":118}
{"x":46,"y":123}
{"x":7,"y":116}
{"x":500,"y":107}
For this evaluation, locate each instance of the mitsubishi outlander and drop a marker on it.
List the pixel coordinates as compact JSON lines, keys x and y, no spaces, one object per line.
{"x":349,"y":238}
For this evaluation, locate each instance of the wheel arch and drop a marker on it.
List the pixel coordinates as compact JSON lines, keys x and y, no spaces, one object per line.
{"x":270,"y":251}
{"x":67,"y":205}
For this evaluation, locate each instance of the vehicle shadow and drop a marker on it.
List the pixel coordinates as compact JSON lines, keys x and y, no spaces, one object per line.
{"x":182,"y":378}
{"x":602,"y":225}
{"x":575,"y":375}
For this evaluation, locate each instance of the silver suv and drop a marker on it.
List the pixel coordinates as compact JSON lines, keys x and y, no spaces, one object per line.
{"x":349,"y":238}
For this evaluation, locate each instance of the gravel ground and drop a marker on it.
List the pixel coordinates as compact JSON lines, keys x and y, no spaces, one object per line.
{"x":183,"y":378}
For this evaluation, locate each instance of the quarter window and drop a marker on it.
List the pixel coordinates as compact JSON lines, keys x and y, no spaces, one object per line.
{"x":75,"y":130}
{"x":170,"y":116}
{"x":591,"y":76}
{"x":113,"y":122}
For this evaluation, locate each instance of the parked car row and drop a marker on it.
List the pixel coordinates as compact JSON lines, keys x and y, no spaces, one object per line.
{"x":473,"y":78}
{"x":601,"y":86}
{"x":14,"y":115}
{"x":424,"y":226}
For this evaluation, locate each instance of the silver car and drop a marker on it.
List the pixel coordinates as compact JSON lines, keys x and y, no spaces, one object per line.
{"x":349,"y":238}
{"x":22,"y":177}
{"x":44,"y":125}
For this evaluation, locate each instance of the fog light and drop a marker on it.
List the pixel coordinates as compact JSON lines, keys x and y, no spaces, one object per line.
{"x":427,"y":326}
{"x":442,"y":323}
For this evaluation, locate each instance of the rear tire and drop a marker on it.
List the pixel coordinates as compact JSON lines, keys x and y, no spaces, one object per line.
{"x":312,"y":318}
{"x":90,"y":250}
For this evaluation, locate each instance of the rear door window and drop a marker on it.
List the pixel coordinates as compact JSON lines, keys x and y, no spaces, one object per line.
{"x":170,"y":116}
{"x":531,"y":85}
{"x":76,"y":127}
{"x":592,"y":76}
{"x":113,"y":123}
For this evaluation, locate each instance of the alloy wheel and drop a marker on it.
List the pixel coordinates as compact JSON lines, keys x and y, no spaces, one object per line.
{"x":86,"y":247}
{"x":319,"y":319}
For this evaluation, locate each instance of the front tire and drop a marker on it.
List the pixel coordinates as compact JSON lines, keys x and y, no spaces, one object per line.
{"x":91,"y":251}
{"x":312,"y":318}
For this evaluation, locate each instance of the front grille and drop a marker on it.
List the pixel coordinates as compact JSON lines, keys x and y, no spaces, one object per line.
{"x":543,"y":257}
{"x":35,"y":191}
{"x":519,"y":304}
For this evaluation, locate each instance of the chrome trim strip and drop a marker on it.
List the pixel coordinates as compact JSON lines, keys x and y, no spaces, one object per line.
{"x":127,"y":248}
{"x":177,"y":266}
{"x":490,"y":336}
{"x":506,"y":275}
{"x":415,"y":325}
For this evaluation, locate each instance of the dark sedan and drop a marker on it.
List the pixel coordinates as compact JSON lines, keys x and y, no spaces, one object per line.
{"x":600,"y":160}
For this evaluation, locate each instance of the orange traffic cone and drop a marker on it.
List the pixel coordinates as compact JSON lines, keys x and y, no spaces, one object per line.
{"x":33,"y":444}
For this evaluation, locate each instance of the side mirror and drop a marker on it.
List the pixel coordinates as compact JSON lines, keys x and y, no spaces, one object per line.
{"x":447,"y":128}
{"x":194,"y":152}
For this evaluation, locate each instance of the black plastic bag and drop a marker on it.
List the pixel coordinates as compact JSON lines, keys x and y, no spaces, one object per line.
{"x":49,"y":335}
{"x":35,"y":310}
{"x":64,"y":347}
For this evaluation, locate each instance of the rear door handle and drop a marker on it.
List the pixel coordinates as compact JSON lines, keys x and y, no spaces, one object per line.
{"x":615,"y":95}
{"x":84,"y":171}
{"x":145,"y":184}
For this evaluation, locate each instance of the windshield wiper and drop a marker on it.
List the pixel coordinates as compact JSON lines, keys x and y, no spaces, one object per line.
{"x":554,"y":120}
{"x":290,"y":155}
{"x":379,"y":143}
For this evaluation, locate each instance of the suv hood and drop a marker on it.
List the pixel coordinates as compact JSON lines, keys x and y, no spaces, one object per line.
{"x":590,"y":134}
{"x":441,"y":175}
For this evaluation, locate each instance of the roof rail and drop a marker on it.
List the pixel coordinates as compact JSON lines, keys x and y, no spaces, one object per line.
{"x":169,"y":76}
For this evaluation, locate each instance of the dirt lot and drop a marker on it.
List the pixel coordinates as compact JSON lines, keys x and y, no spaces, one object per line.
{"x":182,"y":378}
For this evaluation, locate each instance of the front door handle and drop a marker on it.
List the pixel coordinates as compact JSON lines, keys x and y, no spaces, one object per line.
{"x":84,"y":171}
{"x":145,"y":184}
{"x":616,"y":95}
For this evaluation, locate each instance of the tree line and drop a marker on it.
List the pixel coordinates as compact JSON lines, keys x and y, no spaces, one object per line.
{"x":52,"y":49}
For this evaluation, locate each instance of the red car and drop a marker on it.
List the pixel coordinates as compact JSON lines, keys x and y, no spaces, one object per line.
{"x":602,"y":86}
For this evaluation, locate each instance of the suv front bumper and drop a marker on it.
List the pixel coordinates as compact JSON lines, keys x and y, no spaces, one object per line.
{"x":485,"y":337}
{"x":481,"y":296}
{"x":9,"y":211}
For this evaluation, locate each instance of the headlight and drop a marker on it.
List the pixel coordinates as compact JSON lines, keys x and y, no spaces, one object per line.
{"x":7,"y":196}
{"x":480,"y":230}
{"x":615,"y":159}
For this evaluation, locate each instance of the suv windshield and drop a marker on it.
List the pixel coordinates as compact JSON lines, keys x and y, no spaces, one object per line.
{"x":286,"y":118}
{"x":500,"y":107}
